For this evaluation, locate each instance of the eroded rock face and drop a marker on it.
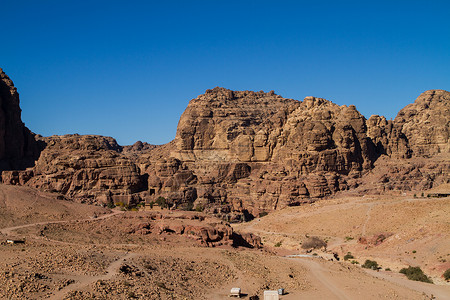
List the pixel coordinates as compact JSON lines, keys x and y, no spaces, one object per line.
{"x":85,"y":168}
{"x":425,"y":123}
{"x":253,"y":152}
{"x":240,"y":154}
{"x":18,"y":148}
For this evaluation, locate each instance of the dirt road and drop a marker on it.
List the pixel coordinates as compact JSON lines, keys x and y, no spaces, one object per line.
{"x":323,"y":281}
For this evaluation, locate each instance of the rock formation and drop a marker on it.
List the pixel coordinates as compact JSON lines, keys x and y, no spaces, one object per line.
{"x":18,"y":148}
{"x":86,"y":168}
{"x":238,"y":154}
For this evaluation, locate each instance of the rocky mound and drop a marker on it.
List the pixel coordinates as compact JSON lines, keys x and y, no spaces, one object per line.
{"x":85,"y":168}
{"x":18,"y":148}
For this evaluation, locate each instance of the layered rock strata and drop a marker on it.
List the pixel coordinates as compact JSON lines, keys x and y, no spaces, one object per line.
{"x":86,"y":168}
{"x":239,"y":154}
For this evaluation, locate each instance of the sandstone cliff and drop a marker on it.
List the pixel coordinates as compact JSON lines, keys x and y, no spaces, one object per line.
{"x":238,"y":154}
{"x":18,"y":148}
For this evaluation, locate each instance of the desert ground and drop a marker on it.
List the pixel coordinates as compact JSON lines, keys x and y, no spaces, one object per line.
{"x":78,"y":251}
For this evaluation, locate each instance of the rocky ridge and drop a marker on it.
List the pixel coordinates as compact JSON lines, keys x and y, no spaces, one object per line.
{"x":238,"y":154}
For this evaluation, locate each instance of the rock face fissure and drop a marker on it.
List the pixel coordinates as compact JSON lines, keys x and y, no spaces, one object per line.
{"x":238,"y":154}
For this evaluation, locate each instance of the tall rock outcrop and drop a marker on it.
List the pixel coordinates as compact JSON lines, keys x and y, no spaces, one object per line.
{"x":239,"y":153}
{"x":253,"y":151}
{"x":416,"y":144}
{"x":18,"y":148}
{"x":426,"y":123}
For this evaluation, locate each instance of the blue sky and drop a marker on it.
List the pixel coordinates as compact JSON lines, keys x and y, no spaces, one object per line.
{"x":128,"y":69}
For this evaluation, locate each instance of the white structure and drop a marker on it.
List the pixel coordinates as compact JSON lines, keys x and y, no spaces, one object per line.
{"x":235,"y":292}
{"x":271,"y":295}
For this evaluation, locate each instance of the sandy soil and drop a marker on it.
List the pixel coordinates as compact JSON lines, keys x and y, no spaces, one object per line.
{"x":70,"y":254}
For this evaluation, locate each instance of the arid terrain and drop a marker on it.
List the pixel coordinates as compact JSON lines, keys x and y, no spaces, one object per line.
{"x":80,"y":251}
{"x":256,"y":191}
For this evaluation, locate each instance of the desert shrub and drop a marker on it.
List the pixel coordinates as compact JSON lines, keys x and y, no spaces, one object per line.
{"x":278,"y":244}
{"x":313,"y":242}
{"x":161,"y":201}
{"x":414,"y":251}
{"x":355,"y":262}
{"x":111,"y":205}
{"x":348,"y":256}
{"x":447,"y":275}
{"x":415,"y":273}
{"x":370,"y":264}
{"x":263,"y":214}
{"x":348,"y":238}
{"x":199,"y":208}
{"x":190,"y":206}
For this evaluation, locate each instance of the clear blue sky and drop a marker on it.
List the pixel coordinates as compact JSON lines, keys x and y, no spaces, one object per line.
{"x":128,"y":69}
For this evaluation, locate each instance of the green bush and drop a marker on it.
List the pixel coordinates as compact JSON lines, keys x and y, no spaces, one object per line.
{"x":161,"y":201}
{"x":355,"y":262}
{"x":278,"y":244}
{"x":370,"y":264}
{"x":199,"y":208}
{"x":415,"y":273}
{"x":263,"y":214}
{"x":190,"y":206}
{"x":348,"y":256}
{"x":447,"y":275}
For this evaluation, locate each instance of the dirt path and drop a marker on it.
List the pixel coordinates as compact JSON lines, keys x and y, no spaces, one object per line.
{"x":320,"y":276}
{"x":8,"y":230}
{"x":83,"y":281}
{"x":363,"y":233}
